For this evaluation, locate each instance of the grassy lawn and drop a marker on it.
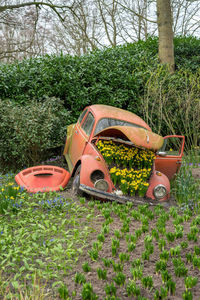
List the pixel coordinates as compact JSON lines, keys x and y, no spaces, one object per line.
{"x":53,"y":246}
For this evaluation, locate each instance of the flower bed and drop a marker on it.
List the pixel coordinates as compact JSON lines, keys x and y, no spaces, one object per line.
{"x":130,"y":167}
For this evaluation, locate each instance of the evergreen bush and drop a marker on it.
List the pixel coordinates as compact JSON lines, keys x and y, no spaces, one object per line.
{"x":28,"y":131}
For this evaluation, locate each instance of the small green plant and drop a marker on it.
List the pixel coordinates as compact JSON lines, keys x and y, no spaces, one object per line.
{"x":101,"y":237}
{"x":88,"y":293}
{"x":170,"y":236}
{"x":114,"y":246}
{"x":173,"y":212}
{"x":161,"y":244}
{"x":114,"y":250}
{"x":106,"y":213}
{"x":175,"y":251}
{"x":94,"y":254}
{"x":132,"y":289}
{"x":135,"y":214}
{"x":160,"y":266}
{"x":115,"y":243}
{"x":131,"y":238}
{"x":107,"y":262}
{"x":105,"y":229}
{"x":102,"y":274}
{"x":97,"y":246}
{"x":190,"y":282}
{"x":117,"y":234}
{"x":145,"y":228}
{"x":147,"y":282}
{"x":171,"y":286}
{"x":138,"y":233}
{"x":120,"y":278}
{"x":178,"y":220}
{"x":137,"y":272}
{"x":125,"y":227}
{"x":184,"y":245}
{"x":162,"y":294}
{"x":180,"y":271}
{"x":197,"y":250}
{"x":179,"y":231}
{"x":79,"y":278}
{"x":165,"y":276}
{"x":63,"y":292}
{"x":164,"y":255}
{"x":189,"y":257}
{"x":187,"y":295}
{"x":136,"y":263}
{"x":86,"y":267}
{"x":155,"y":234}
{"x":131,"y":247}
{"x":192,"y":235}
{"x":196,"y":261}
{"x":117,"y":267}
{"x":145,"y":255}
{"x":110,"y":289}
{"x":124,"y":257}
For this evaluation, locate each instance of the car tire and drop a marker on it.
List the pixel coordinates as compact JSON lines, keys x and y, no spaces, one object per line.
{"x":76,"y":182}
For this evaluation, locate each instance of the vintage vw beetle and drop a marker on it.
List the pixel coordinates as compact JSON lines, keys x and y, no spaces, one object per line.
{"x":113,"y":154}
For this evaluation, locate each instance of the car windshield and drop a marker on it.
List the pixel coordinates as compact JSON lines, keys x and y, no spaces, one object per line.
{"x":108,"y":122}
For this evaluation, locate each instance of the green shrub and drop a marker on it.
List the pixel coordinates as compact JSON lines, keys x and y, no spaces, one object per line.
{"x":26,"y":132}
{"x":168,"y":94}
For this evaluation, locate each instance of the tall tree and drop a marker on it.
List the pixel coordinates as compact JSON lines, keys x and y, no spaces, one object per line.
{"x":165,"y":31}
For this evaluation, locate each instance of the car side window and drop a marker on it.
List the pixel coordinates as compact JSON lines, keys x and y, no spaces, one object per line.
{"x":82,"y":115}
{"x":88,"y":123}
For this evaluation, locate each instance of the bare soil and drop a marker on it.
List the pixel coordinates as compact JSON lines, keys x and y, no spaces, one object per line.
{"x":148,"y":265}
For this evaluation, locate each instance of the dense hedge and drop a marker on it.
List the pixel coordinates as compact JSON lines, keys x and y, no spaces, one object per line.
{"x":116,"y":76}
{"x":28,"y":132}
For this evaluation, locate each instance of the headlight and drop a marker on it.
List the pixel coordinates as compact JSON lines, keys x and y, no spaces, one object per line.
{"x":96,"y":175}
{"x":159,"y":191}
{"x":101,"y":185}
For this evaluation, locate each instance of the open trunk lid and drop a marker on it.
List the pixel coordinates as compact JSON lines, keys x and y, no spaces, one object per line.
{"x":140,"y":137}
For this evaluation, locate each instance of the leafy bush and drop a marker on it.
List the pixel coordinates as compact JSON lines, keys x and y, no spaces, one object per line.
{"x":115,"y":75}
{"x":26,"y":132}
{"x":168,"y":94}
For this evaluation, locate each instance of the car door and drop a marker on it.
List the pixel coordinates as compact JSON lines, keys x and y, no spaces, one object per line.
{"x":169,"y":157}
{"x":81,"y":134}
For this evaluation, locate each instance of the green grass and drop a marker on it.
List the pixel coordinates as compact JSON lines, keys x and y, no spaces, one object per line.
{"x":42,"y":237}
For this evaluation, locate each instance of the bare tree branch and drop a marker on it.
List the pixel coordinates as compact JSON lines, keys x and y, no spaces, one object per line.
{"x":135,"y":13}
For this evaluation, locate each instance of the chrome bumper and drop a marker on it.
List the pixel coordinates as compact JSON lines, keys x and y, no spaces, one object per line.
{"x":113,"y":197}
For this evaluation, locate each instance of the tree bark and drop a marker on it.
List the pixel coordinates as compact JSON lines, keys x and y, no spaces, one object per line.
{"x":166,"y":45}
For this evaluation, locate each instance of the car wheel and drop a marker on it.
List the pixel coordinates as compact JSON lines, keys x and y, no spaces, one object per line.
{"x":76,"y":182}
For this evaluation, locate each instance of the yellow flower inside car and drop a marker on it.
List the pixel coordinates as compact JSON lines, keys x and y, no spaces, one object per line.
{"x":129,"y":167}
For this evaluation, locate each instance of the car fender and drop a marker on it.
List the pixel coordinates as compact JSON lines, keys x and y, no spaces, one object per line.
{"x":90,"y":163}
{"x":158,"y":178}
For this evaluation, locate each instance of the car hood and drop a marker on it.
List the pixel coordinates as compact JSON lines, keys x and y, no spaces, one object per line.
{"x":138,"y":136}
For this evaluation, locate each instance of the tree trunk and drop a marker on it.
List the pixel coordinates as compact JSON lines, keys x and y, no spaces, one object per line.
{"x":166,"y":45}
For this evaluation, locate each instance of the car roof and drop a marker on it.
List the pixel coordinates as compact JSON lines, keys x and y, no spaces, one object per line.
{"x":106,"y":111}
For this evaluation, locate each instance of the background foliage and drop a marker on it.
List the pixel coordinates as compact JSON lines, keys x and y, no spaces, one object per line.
{"x":28,"y":131}
{"x":126,"y":76}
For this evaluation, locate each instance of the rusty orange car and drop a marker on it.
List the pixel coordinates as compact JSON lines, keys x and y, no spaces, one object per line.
{"x":113,"y":154}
